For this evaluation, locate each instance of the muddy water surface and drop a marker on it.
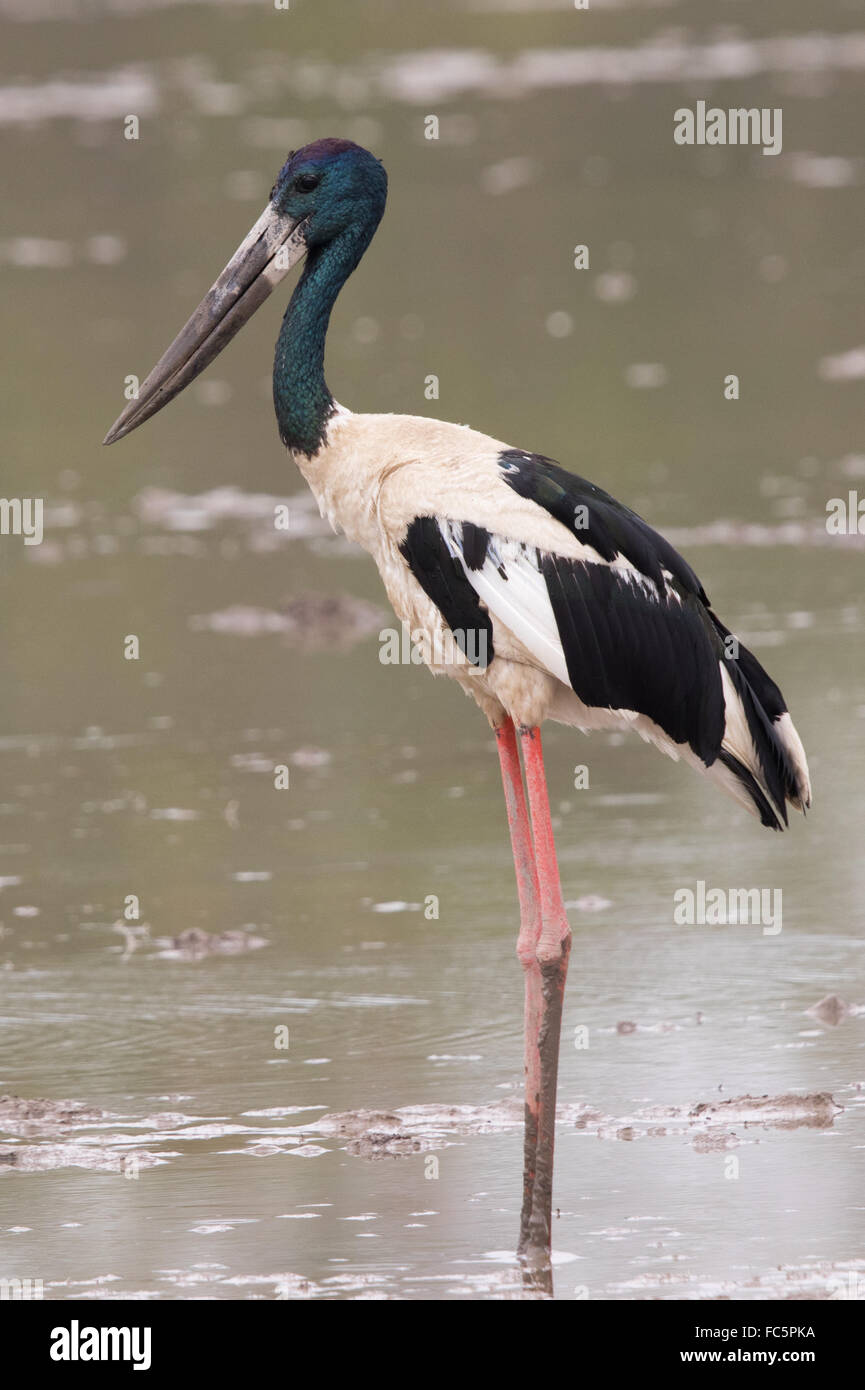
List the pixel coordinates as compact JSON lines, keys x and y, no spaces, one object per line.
{"x":287,"y":964}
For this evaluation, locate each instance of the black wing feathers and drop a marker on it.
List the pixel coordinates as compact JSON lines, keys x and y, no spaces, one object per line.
{"x":475,"y":542}
{"x":656,"y":654}
{"x":627,"y":650}
{"x":610,"y":527}
{"x":443,"y":580}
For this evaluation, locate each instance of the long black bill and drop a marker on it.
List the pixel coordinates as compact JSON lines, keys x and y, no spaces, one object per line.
{"x":264,"y":257}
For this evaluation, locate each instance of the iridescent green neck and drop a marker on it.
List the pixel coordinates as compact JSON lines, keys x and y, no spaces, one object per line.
{"x":301,"y":398}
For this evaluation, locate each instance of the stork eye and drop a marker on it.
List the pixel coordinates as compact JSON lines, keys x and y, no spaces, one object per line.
{"x":305,"y":183}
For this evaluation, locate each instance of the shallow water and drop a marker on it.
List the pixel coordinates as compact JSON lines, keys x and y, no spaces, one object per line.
{"x":154,"y":777}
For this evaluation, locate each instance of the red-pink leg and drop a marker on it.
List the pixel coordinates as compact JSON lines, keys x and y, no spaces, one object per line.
{"x":527,"y":942}
{"x":552,"y":950}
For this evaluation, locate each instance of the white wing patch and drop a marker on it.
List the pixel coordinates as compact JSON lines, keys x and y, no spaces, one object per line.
{"x":786,"y":732}
{"x":515,"y":592}
{"x":738,"y":739}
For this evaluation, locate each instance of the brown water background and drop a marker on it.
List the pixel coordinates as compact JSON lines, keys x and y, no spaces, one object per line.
{"x":154,"y":777}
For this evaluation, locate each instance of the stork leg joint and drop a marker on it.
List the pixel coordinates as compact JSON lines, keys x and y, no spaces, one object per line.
{"x":552,"y":956}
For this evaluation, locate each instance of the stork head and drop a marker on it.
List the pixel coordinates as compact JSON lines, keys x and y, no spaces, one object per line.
{"x":329,"y":190}
{"x":333,"y":186}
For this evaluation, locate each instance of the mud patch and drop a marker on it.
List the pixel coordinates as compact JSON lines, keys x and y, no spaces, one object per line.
{"x":24,"y":1117}
{"x":832,"y":1010}
{"x":816,"y":1111}
{"x":195,"y":944}
{"x":378,"y":1133}
{"x":665,"y":1025}
{"x":113,"y":1141}
{"x":44,"y":1158}
{"x":710,"y":1124}
{"x":415,"y":1128}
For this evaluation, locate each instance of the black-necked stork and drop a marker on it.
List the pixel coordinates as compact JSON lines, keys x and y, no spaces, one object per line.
{"x":537,"y":591}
